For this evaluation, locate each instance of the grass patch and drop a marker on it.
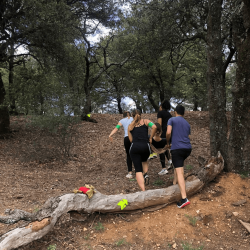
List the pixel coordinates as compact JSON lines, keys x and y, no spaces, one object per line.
{"x":121,"y":242}
{"x":51,"y":247}
{"x":99,"y":227}
{"x":187,"y":246}
{"x":188,"y":167}
{"x":158,"y":182}
{"x":192,"y":219}
{"x":244,"y":174}
{"x":86,"y":237}
{"x":132,"y":179}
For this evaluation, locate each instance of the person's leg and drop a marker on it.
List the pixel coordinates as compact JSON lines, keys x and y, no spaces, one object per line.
{"x":163,"y":165}
{"x":181,"y":181}
{"x":135,"y":154}
{"x":175,"y":181}
{"x":140,"y":180}
{"x":145,"y":167}
{"x":127,"y":145}
{"x":178,"y":157}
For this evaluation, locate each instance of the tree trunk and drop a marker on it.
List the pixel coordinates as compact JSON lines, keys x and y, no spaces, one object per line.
{"x":119,"y":100}
{"x":44,"y":220}
{"x":12,"y":100}
{"x":239,"y":140}
{"x":4,"y":113}
{"x":216,"y":85}
{"x":151,"y":99}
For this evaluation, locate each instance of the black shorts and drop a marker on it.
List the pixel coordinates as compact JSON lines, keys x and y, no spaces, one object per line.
{"x":179,"y":156}
{"x":139,"y":152}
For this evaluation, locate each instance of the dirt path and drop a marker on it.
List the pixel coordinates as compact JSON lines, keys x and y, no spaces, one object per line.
{"x":31,"y":172}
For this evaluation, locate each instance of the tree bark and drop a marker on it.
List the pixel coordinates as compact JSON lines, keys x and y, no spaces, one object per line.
{"x":4,"y":113}
{"x":44,"y":220}
{"x":215,"y":82}
{"x":239,"y":140}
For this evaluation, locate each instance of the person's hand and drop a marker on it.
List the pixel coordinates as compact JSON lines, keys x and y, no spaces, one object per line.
{"x":111,"y":138}
{"x":150,"y":140}
{"x":168,"y":146}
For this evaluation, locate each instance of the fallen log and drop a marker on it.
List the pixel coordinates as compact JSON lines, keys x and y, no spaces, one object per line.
{"x":44,"y":220}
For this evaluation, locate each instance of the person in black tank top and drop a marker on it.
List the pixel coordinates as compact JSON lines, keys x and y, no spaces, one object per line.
{"x":140,"y":149}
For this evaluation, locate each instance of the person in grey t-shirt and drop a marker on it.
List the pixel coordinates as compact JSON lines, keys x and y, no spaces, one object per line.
{"x":125,"y":123}
{"x":179,"y":130}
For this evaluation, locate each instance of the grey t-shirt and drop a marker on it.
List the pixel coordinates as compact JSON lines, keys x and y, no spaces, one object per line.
{"x":125,"y":123}
{"x":180,"y":132}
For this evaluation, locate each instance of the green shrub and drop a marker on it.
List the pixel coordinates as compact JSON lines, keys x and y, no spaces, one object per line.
{"x":192,"y":219}
{"x":51,"y":247}
{"x":62,"y":129}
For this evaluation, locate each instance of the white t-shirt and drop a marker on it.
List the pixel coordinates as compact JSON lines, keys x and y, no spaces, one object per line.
{"x":125,"y":123}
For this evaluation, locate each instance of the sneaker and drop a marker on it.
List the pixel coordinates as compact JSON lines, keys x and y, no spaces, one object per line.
{"x":183,"y":203}
{"x":130,"y":176}
{"x":163,"y":171}
{"x":170,"y":164}
{"x":150,"y":157}
{"x":154,"y":155}
{"x":146,"y":179}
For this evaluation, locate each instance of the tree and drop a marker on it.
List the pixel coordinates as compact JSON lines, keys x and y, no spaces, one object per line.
{"x":239,"y":139}
{"x":32,"y":24}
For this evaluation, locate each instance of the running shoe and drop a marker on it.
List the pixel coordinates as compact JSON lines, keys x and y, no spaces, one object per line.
{"x":146,"y":179}
{"x":163,"y":171}
{"x":130,"y":176}
{"x":150,"y":157}
{"x":154,"y":155}
{"x":170,"y":164}
{"x":183,"y":203}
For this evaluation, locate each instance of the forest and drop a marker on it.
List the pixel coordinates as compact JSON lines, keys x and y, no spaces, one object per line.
{"x":64,"y":62}
{"x":194,"y":52}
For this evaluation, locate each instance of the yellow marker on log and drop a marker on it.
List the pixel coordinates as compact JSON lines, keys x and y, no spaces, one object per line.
{"x":123,"y":203}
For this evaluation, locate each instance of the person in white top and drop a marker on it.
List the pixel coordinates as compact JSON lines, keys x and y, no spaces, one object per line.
{"x":125,"y":123}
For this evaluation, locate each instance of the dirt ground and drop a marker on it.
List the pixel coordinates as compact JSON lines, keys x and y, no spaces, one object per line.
{"x":32,"y":170}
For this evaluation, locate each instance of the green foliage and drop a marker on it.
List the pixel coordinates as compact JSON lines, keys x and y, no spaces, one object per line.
{"x":51,"y":247}
{"x":63,"y":129}
{"x":121,"y":242}
{"x":188,"y":167}
{"x":187,"y":246}
{"x":244,"y":174}
{"x":192,"y":220}
{"x":99,"y":226}
{"x":158,"y":182}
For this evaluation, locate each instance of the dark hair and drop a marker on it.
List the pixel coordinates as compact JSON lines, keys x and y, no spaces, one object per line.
{"x":180,"y":109}
{"x":166,"y":105}
{"x":158,"y":128}
{"x":126,"y":114}
{"x":136,"y":112}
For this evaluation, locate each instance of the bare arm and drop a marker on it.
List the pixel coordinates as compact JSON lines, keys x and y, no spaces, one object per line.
{"x":130,"y":137}
{"x":115,"y":130}
{"x":153,"y":127}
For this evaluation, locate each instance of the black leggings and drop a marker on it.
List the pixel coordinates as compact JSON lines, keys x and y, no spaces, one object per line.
{"x":162,"y":158}
{"x":127,"y":145}
{"x":139,"y":152}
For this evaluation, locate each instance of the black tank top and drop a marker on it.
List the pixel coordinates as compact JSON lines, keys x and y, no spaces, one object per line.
{"x":140,"y":134}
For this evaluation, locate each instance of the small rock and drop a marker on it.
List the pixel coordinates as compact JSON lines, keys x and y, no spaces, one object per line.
{"x":174,"y":245}
{"x":235,"y":213}
{"x":85,"y":229}
{"x":238,"y":203}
